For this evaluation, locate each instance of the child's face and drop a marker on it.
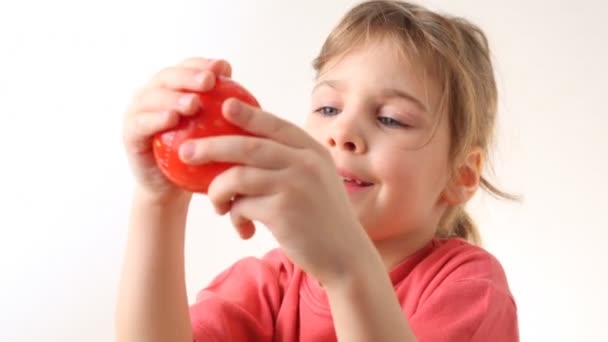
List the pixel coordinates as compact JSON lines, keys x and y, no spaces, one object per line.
{"x":361,"y":112}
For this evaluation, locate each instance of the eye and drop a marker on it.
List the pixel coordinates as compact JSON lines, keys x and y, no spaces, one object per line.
{"x":390,"y":122}
{"x":327,"y":111}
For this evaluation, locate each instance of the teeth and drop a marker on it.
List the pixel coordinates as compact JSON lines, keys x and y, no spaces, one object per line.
{"x":358,"y":182}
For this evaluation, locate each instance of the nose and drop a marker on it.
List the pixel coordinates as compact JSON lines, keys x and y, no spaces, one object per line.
{"x":345,"y":135}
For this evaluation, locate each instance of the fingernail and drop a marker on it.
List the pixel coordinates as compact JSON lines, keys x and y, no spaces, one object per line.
{"x":235,"y":108}
{"x":187,"y":151}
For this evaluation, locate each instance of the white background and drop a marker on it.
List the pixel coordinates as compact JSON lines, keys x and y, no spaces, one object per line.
{"x":68,"y":69}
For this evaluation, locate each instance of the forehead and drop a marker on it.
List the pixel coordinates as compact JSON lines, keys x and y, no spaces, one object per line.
{"x":381,"y":63}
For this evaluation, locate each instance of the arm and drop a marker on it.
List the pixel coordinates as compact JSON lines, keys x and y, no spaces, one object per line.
{"x":311,"y":218}
{"x":364,"y":305}
{"x":152,"y":300}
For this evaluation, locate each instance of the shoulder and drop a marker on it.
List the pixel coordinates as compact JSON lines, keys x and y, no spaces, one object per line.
{"x":456,"y":260}
{"x":456,"y":268}
{"x":463,"y":288}
{"x":243,"y":301}
{"x":272,"y":269}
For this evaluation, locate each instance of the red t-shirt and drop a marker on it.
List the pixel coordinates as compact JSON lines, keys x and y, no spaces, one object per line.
{"x":449,"y":290}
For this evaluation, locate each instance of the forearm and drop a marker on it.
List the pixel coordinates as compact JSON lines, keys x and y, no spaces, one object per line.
{"x":152,"y":301}
{"x":364,"y":305}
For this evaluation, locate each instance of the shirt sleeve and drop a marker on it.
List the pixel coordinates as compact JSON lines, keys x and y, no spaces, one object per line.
{"x":467,"y":310}
{"x":241,"y":303}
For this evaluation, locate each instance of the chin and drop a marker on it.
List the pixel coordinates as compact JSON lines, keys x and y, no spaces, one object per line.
{"x":376,"y":233}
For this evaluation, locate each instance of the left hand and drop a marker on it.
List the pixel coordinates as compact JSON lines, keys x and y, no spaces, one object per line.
{"x":287,"y":181}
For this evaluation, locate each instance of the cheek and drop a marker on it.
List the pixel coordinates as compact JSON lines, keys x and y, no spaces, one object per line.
{"x":399,"y":174}
{"x":412,"y":173}
{"x":316,"y":129}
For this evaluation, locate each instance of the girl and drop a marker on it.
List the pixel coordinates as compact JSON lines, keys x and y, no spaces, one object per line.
{"x":366,"y":202}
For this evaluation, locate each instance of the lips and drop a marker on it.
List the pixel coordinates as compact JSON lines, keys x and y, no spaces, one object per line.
{"x":351,"y":178}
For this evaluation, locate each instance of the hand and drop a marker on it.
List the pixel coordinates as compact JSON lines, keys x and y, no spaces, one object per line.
{"x":288,"y":182}
{"x":157,"y":107}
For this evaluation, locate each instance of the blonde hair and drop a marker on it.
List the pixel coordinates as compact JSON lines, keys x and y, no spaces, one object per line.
{"x":456,"y":53}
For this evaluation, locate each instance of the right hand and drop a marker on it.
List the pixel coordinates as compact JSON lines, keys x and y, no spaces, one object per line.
{"x":158,"y":107}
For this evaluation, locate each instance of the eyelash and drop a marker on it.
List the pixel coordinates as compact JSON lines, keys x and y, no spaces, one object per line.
{"x":384,"y":120}
{"x":321,"y":110}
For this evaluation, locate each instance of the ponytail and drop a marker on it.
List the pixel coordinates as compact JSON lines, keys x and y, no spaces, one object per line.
{"x":458,"y":223}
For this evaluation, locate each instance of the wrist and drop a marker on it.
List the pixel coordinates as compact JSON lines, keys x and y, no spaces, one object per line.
{"x":363,"y":302}
{"x":171,"y":198}
{"x":363,"y":265}
{"x":165,"y":214}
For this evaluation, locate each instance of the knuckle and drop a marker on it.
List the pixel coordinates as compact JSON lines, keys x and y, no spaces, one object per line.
{"x":177,"y":78}
{"x":238,"y":220}
{"x":194,"y":59}
{"x":139,"y":93}
{"x":233,"y":173}
{"x":188,"y":61}
{"x":160,"y":99}
{"x":198,"y":62}
{"x":311,"y":164}
{"x":277,"y":126}
{"x":236,"y":173}
{"x":221,"y":185}
{"x":282,"y":204}
{"x":250,"y":146}
{"x":287,"y":206}
{"x":160,"y":77}
{"x":130,"y":136}
{"x":151,"y":101}
{"x":138,"y":128}
{"x":136,"y":124}
{"x":164,"y":72}
{"x":215,"y":191}
{"x":129,"y":122}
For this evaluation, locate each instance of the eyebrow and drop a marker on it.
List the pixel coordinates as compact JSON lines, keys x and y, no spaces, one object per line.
{"x":386,"y":92}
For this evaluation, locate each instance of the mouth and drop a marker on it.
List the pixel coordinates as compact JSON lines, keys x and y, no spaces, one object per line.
{"x":356,"y":182}
{"x":353,"y":181}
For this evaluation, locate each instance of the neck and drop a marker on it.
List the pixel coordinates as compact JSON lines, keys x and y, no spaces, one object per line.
{"x":395,"y":249}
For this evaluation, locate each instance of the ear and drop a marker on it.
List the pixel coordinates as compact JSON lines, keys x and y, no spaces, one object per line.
{"x":465,"y":181}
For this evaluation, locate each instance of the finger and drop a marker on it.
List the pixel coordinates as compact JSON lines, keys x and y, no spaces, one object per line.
{"x":240,"y":181}
{"x":261,"y":123}
{"x":183,"y":78}
{"x":139,"y":129}
{"x":159,"y":99}
{"x":252,"y":209}
{"x":239,"y":149}
{"x":244,"y":226}
{"x":217,"y":66}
